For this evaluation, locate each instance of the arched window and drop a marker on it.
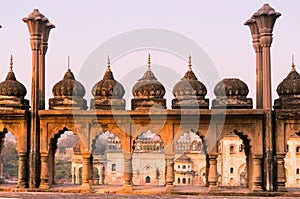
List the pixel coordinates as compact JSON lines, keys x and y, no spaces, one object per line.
{"x":189,"y":181}
{"x":241,"y":148}
{"x":178,"y":180}
{"x":298,"y":149}
{"x":148,"y":179}
{"x":231,"y":170}
{"x":183,"y":167}
{"x":297,"y":171}
{"x":231,"y":149}
{"x":178,"y":166}
{"x":184,"y":181}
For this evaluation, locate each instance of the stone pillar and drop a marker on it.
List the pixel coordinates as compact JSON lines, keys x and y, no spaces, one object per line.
{"x":170,"y":171}
{"x":259,"y":70}
{"x":77,"y":175}
{"x":44,"y":171}
{"x":100,"y":174}
{"x":43,"y":51}
{"x":73,"y":173}
{"x":36,"y":23}
{"x":257,"y":173}
{"x":22,"y":170}
{"x":85,"y":186}
{"x":213,"y":173}
{"x":281,"y":177}
{"x":127,"y":174}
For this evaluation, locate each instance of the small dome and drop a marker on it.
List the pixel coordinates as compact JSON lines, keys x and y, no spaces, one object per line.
{"x":291,"y":84}
{"x":231,"y":87}
{"x":189,"y":85}
{"x":108,"y":86}
{"x":68,"y":87}
{"x":148,"y":86}
{"x":11,"y":87}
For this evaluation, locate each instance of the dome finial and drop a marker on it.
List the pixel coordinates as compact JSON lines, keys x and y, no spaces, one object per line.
{"x":293,"y":64}
{"x":11,"y":63}
{"x":68,"y":62}
{"x":149,"y":62}
{"x":108,"y":63}
{"x":190,"y":63}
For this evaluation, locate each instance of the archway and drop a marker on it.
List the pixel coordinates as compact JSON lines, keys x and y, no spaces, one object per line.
{"x":63,"y":157}
{"x":108,"y":158}
{"x":148,"y":160}
{"x":292,"y":161}
{"x":233,"y":159}
{"x":8,"y":159}
{"x":191,"y":158}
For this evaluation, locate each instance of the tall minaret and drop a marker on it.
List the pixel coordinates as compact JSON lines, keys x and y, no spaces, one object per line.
{"x":39,"y":27}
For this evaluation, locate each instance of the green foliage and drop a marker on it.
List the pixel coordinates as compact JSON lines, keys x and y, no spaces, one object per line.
{"x":9,"y":158}
{"x":63,"y":169}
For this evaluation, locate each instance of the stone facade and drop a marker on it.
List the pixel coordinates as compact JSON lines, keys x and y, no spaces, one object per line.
{"x":228,"y":145}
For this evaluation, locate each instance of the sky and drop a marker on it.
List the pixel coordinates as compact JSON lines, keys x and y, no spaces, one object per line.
{"x":82,"y":28}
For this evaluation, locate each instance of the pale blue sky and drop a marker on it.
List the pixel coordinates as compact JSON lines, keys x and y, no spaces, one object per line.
{"x":217,"y":26}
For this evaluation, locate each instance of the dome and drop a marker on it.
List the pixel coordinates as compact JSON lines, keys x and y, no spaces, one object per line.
{"x":11,"y":87}
{"x":108,"y":86}
{"x":231,"y":93}
{"x":68,"y":87}
{"x":231,"y":87}
{"x":189,"y":85}
{"x":148,"y":86}
{"x":291,"y":84}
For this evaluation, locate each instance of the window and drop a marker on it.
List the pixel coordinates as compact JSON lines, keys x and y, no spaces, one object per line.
{"x":231,"y":170}
{"x":189,"y":181}
{"x":178,"y":180}
{"x":183,"y":167}
{"x":297,"y":171}
{"x":148,"y":179}
{"x":113,"y":167}
{"x":189,"y":166}
{"x":241,"y":149}
{"x":298,"y":149}
{"x":178,"y":166}
{"x":184,"y":181}
{"x":231,"y":149}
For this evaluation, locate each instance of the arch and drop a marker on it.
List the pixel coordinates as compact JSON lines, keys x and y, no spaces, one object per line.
{"x":147,"y":142}
{"x":232,"y":149}
{"x":106,"y":139}
{"x":147,"y":179}
{"x":184,"y":181}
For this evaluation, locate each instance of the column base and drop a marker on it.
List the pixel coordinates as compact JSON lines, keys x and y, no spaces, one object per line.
{"x":85,"y":188}
{"x":169,"y":187}
{"x":44,"y":186}
{"x":281,"y":189}
{"x":212,"y":188}
{"x":127,"y":188}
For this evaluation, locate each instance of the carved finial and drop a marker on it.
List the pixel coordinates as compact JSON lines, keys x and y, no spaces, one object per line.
{"x":68,"y":62}
{"x":293,"y":64}
{"x":11,"y":63}
{"x":190,"y":63}
{"x":149,"y":61}
{"x":108,"y":63}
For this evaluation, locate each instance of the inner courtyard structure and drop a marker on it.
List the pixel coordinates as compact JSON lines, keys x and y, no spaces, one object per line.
{"x":228,"y":143}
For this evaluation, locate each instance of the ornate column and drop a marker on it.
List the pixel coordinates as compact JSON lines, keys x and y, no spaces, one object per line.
{"x":36,"y":23}
{"x":170,"y":171}
{"x":86,"y":159}
{"x":22,"y":170}
{"x":265,"y":19}
{"x":281,"y":178}
{"x":256,"y":172}
{"x":44,"y":171}
{"x":259,"y":70}
{"x":43,"y":51}
{"x":213,"y":173}
{"x":127,"y":174}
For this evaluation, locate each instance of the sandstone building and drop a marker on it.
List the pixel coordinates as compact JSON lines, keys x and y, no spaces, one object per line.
{"x":226,"y":144}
